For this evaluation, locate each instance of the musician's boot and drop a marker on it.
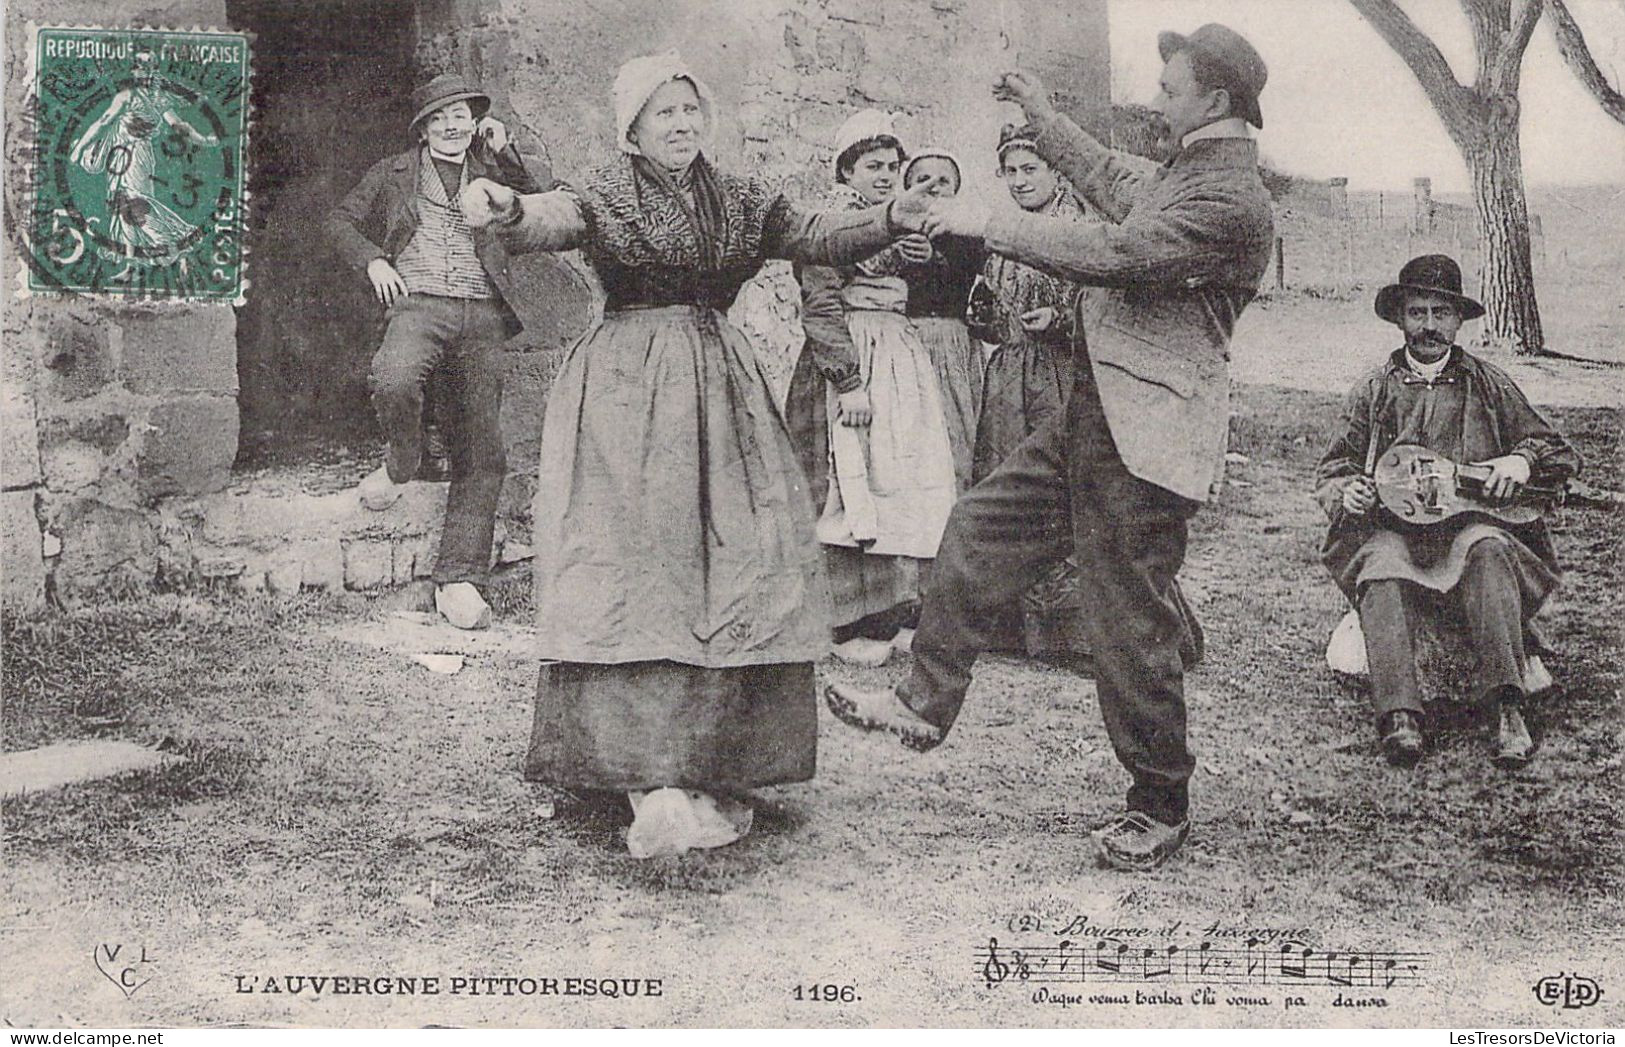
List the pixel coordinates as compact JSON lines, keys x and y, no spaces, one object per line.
{"x":1514,"y":748}
{"x":1401,"y":738}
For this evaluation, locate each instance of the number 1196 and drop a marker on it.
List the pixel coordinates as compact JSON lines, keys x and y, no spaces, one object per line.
{"x":827,"y":993}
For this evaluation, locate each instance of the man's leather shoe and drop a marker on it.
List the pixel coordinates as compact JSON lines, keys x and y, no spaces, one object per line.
{"x":882,"y":710}
{"x":1402,"y":739}
{"x":1136,"y":842}
{"x":1513,"y":746}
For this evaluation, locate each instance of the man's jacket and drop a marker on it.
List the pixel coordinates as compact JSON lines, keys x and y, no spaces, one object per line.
{"x":1181,"y":253}
{"x":1471,"y":413}
{"x":379,"y":216}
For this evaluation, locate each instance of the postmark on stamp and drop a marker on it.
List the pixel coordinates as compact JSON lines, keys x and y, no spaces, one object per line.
{"x":137,"y":177}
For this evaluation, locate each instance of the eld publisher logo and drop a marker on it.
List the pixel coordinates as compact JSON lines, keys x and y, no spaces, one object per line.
{"x":1569,"y":991}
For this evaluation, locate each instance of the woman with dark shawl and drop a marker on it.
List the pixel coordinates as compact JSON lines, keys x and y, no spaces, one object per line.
{"x":938,"y":292}
{"x":680,"y":602}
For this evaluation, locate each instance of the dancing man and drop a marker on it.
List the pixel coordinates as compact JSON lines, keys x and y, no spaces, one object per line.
{"x":1115,"y":477}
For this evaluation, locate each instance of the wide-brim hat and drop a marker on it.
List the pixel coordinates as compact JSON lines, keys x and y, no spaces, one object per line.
{"x":1428,"y":274}
{"x":443,"y":90}
{"x":1245,"y":71}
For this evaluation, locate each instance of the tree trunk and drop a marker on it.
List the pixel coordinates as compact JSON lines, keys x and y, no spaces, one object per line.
{"x":1508,"y":285}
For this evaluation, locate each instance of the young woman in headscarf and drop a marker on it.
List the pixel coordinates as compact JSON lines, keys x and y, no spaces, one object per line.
{"x":889,"y":461}
{"x":1029,"y":321}
{"x":938,"y":291}
{"x":679,"y":597}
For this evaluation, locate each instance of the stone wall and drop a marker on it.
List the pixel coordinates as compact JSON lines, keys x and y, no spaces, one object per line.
{"x":109,"y":407}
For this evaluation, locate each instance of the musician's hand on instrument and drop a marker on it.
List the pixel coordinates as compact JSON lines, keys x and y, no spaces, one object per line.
{"x":1359,"y":496}
{"x":1508,"y":473}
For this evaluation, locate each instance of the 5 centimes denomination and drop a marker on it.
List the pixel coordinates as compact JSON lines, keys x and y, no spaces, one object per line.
{"x":138,"y":168}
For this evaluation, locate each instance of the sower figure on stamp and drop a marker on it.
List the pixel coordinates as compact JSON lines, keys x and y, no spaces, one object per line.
{"x":445,"y":288}
{"x":1115,"y":477}
{"x":1495,"y":574}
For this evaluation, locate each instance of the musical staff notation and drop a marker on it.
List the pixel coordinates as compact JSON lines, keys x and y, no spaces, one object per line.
{"x":1107,"y":961}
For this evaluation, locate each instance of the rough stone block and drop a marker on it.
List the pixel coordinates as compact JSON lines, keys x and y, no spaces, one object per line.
{"x":284,"y":571}
{"x":321,"y":563}
{"x":190,"y":349}
{"x":189,"y":447}
{"x":214,"y":566}
{"x":71,"y":465}
{"x":78,"y":359}
{"x":19,"y":439}
{"x":514,"y":552}
{"x":552,"y":299}
{"x":524,"y":402}
{"x":253,"y":579}
{"x":423,"y":553}
{"x":403,"y":560}
{"x":860,"y":12}
{"x":103,"y":546}
{"x":368,"y":564}
{"x":22,"y":561}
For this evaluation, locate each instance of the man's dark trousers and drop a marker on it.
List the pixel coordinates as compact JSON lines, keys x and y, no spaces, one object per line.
{"x":463,"y":338}
{"x":1489,"y":602}
{"x":1066,"y":490}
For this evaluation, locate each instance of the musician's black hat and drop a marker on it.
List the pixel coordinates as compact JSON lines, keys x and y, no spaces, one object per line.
{"x":1429,"y":274}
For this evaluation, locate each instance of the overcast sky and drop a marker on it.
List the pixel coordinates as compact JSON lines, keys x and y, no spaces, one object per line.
{"x":1341,"y":102}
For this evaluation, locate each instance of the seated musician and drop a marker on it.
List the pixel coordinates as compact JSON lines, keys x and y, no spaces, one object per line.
{"x":1495,"y":574}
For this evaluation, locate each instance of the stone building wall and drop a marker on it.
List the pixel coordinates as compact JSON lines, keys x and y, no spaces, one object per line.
{"x":109,"y":407}
{"x":121,"y":420}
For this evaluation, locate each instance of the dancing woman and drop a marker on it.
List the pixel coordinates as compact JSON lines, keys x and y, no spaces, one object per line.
{"x":679,"y":596}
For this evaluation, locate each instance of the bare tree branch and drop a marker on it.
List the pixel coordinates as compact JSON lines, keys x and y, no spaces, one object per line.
{"x":1507,"y":71}
{"x":1572,"y":46}
{"x":1457,"y":105}
{"x":1488,"y":19}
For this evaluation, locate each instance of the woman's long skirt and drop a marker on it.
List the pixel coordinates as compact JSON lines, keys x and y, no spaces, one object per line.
{"x":1027,"y":383}
{"x":959,"y":364}
{"x":893,"y":485}
{"x":648,"y":725}
{"x":680,"y":597}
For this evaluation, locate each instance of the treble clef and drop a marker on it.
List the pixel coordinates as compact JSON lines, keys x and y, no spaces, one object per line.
{"x":994,"y":970}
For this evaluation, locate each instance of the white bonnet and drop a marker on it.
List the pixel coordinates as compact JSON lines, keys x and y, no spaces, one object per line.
{"x":937,"y":154}
{"x":639,"y":79}
{"x":865,"y":123}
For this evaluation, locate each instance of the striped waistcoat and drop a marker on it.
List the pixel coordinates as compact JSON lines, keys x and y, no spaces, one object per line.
{"x":440,"y":258}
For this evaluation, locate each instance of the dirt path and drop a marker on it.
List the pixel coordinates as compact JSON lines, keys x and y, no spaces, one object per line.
{"x":346,"y":812}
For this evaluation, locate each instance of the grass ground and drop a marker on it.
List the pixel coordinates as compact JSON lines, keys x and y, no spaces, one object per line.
{"x":342,"y":811}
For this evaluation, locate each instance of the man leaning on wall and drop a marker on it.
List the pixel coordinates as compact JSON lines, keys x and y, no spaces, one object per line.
{"x":445,"y":289}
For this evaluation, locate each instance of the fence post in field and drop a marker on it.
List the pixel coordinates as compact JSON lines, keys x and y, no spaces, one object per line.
{"x":1422,"y":218}
{"x":1280,"y":263}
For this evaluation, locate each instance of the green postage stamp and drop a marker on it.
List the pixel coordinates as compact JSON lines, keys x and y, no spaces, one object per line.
{"x":138,"y":181}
